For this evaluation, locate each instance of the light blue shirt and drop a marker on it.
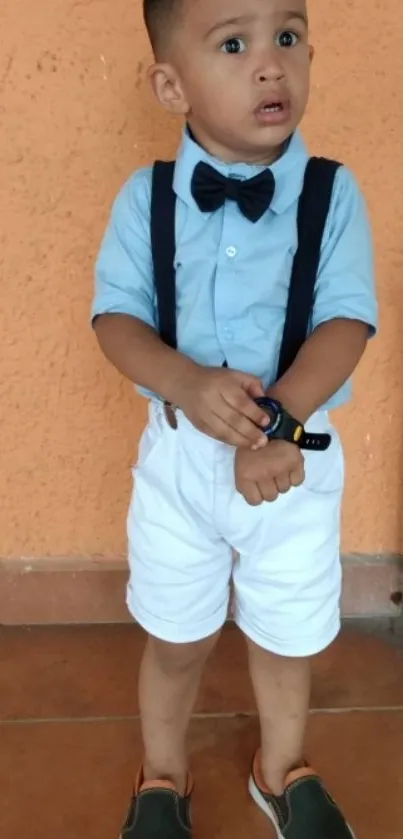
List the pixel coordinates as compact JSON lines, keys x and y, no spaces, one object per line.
{"x":232,"y":276}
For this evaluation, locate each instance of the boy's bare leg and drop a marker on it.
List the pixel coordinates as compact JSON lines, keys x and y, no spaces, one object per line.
{"x":282,"y":691}
{"x":170,"y":676}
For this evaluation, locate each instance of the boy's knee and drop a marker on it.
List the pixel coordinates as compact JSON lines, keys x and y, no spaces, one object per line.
{"x":181,"y":657}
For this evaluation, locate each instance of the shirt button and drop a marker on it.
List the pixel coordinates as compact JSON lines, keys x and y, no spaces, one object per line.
{"x":228,"y":333}
{"x":231,"y":252}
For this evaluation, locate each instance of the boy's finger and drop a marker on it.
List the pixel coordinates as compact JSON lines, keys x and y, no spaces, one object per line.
{"x":246,"y":407}
{"x":251,"y":494}
{"x":244,"y":426}
{"x":221,"y":430}
{"x":297,"y":477}
{"x":269,"y":489}
{"x":283,"y":483}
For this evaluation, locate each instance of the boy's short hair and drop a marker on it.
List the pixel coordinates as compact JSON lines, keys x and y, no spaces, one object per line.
{"x":159,"y":16}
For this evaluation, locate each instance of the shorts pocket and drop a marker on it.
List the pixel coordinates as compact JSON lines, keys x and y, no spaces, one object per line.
{"x":149,"y":446}
{"x":324,"y":471}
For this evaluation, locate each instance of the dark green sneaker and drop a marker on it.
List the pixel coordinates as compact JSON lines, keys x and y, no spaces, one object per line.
{"x":157,"y":811}
{"x":305,"y":811}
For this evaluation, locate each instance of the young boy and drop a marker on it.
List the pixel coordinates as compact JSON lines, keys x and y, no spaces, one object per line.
{"x":209,"y":481}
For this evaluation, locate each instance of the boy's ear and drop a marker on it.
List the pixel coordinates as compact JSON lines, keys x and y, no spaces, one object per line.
{"x":168,"y":89}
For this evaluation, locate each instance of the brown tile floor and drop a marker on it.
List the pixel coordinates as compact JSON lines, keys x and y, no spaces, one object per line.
{"x":69,"y":740}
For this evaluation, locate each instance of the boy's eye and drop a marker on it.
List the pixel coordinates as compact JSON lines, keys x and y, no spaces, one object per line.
{"x":233,"y":46}
{"x":287,"y":39}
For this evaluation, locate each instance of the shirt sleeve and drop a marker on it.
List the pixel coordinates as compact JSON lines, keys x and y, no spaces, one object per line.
{"x":124,"y":271}
{"x":345,"y":285}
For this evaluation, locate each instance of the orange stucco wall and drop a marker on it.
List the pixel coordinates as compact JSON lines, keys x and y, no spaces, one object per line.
{"x":76,"y":117}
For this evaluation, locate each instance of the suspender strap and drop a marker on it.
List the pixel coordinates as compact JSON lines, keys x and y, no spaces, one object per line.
{"x":313,"y":210}
{"x":163,"y":245}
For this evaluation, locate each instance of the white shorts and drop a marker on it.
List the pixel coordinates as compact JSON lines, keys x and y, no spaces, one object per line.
{"x":190,"y":534}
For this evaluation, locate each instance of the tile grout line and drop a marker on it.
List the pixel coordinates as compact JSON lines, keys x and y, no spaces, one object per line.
{"x":379,"y":709}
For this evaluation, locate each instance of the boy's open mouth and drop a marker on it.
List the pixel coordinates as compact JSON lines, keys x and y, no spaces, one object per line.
{"x":272,"y":111}
{"x":270,"y":106}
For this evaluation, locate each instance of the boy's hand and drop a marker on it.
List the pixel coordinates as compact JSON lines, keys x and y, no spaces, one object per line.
{"x":219,"y":402}
{"x":263,"y":475}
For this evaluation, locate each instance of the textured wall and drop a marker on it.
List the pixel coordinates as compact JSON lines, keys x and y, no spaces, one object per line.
{"x":76,"y":117}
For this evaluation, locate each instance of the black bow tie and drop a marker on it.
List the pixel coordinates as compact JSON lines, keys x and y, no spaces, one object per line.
{"x":210,"y":189}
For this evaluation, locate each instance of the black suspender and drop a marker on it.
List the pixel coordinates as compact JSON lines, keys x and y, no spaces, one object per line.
{"x":313,"y":210}
{"x":163,"y":246}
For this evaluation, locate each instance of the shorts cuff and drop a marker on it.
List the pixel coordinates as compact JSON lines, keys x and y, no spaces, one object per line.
{"x":298,"y":647}
{"x":174,"y":633}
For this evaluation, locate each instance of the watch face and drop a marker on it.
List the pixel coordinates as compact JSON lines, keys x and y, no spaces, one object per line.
{"x":273,"y":411}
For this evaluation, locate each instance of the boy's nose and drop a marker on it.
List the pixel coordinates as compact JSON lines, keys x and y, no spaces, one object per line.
{"x":270,"y":69}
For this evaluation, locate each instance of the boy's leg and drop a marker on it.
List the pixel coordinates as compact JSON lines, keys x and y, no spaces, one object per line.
{"x":282,"y":691}
{"x":291,"y":794}
{"x":178,"y":592}
{"x":169,"y":681}
{"x":288,"y":585}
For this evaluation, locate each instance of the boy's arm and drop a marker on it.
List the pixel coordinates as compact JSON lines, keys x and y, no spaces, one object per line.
{"x":323,"y":365}
{"x":345,"y":308}
{"x":325,"y":362}
{"x":136,"y":350}
{"x":218,"y":402}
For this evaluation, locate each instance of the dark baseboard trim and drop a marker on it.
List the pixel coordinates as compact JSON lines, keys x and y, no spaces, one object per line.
{"x":80,"y":590}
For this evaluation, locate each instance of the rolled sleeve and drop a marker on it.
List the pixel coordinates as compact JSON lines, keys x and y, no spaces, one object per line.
{"x":345,"y":286}
{"x":123,"y":270}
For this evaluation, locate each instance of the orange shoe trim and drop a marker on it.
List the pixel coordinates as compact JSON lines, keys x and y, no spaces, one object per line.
{"x":157,"y":785}
{"x":291,"y":778}
{"x":143,"y":786}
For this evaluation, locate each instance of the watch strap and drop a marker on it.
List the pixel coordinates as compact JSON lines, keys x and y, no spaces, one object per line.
{"x":314,"y":442}
{"x":294,"y":432}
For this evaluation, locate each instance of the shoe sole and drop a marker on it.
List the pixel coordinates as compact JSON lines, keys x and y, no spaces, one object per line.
{"x":261,"y":802}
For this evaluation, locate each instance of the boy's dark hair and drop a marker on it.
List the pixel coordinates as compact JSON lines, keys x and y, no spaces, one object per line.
{"x":158,"y":18}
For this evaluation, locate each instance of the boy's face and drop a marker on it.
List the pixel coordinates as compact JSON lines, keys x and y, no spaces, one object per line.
{"x":238,"y":70}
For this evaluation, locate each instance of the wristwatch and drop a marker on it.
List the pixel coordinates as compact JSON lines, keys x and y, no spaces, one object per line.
{"x":283,"y":426}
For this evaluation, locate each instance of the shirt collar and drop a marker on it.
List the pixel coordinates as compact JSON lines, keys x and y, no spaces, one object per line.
{"x":288,"y":171}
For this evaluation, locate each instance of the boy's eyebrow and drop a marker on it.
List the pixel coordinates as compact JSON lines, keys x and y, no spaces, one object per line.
{"x":245,"y":19}
{"x":302,"y":16}
{"x":231,"y":21}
